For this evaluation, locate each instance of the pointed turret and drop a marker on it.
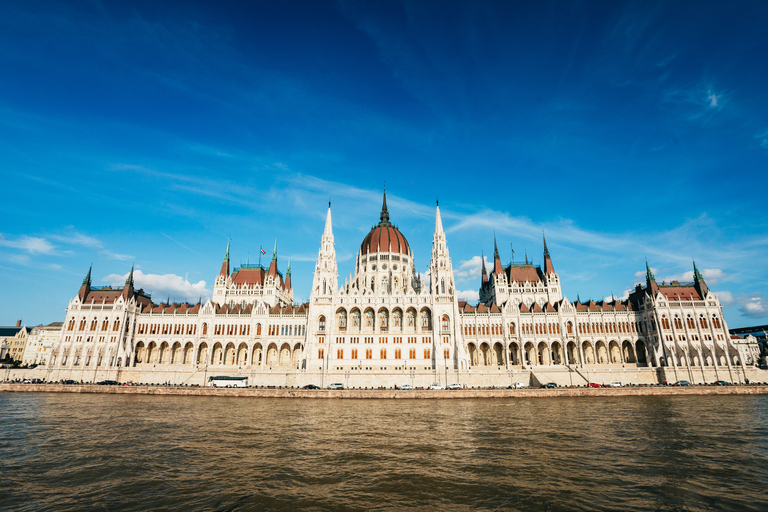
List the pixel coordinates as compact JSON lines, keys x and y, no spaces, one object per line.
{"x":325,"y":280}
{"x":438,"y":220}
{"x":548,"y":267}
{"x":128,"y":288}
{"x":273,"y":263}
{"x":440,"y":272}
{"x":225,"y":264}
{"x":497,"y":269}
{"x":650,"y":280}
{"x":485,"y":274}
{"x":698,"y":282}
{"x":287,"y":282}
{"x":86,"y":286}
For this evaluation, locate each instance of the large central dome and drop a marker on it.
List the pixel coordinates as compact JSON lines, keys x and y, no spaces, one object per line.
{"x":384,"y":237}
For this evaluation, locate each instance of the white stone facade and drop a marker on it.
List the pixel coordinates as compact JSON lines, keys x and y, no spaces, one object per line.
{"x":384,"y":325}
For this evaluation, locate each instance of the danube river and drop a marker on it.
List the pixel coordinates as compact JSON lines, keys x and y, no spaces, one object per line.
{"x":129,"y":452}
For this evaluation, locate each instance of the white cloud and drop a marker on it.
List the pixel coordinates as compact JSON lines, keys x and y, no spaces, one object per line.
{"x":470,"y":296}
{"x":471,"y":268}
{"x":162,"y":285}
{"x":623,"y":296}
{"x":33,"y":245}
{"x":754,"y":306}
{"x":711,"y":276}
{"x":726,"y":298}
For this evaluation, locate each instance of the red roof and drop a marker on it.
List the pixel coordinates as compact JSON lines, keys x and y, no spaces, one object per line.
{"x":385,"y":239}
{"x":249,"y":276}
{"x":523,"y":273}
{"x":676,"y":293}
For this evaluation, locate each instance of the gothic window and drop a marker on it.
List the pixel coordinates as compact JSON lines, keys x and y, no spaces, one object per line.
{"x":715,"y":322}
{"x":321,"y":324}
{"x":369,"y":318}
{"x":512,"y":328}
{"x":356,"y":318}
{"x":445,"y":323}
{"x":678,"y":323}
{"x":703,"y":321}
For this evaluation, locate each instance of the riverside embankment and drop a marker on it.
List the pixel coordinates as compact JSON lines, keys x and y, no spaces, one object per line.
{"x":386,"y":393}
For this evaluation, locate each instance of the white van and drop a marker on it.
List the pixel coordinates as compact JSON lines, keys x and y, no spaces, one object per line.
{"x":520,"y":385}
{"x":336,"y":385}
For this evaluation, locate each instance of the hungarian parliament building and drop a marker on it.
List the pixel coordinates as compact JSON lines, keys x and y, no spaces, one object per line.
{"x":386,"y":326}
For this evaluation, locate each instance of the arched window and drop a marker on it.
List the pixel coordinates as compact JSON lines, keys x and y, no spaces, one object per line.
{"x":691,"y":323}
{"x":678,"y":323}
{"x":664,"y":322}
{"x":205,"y":329}
{"x":321,"y":324}
{"x":116,"y":326}
{"x":258,"y":329}
{"x":703,"y":322}
{"x":445,"y":323}
{"x":715,"y":322}
{"x":570,"y":328}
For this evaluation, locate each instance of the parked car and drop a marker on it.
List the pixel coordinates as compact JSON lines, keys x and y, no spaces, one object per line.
{"x":406,"y":387}
{"x":548,"y":385}
{"x":109,"y":383}
{"x":311,"y":386}
{"x":722,"y":383}
{"x":70,"y":381}
{"x":336,"y":385}
{"x":455,"y":386}
{"x":616,"y":384}
{"x":594,"y":385}
{"x":435,"y":385}
{"x":682,"y":383}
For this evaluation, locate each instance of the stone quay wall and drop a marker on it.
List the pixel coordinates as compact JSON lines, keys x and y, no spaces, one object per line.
{"x":476,"y":378}
{"x":387,"y":393}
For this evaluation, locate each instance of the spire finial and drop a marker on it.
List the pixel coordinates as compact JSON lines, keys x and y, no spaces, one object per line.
{"x":384,"y":213}
{"x":274,"y":251}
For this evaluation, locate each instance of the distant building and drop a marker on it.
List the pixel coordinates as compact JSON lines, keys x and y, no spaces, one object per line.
{"x":13,"y":340}
{"x":40,"y":344}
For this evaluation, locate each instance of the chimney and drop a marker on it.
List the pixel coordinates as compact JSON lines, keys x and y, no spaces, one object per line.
{"x":18,"y":323}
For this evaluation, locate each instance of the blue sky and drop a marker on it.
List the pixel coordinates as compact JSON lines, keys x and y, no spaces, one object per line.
{"x":146,"y":134}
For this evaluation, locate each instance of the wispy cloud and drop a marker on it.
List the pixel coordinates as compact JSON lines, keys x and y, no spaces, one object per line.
{"x":471,"y":296}
{"x":161,"y":285}
{"x":30,"y":244}
{"x":711,"y":275}
{"x":179,"y":243}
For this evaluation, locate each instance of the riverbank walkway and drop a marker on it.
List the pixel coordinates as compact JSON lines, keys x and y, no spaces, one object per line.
{"x":386,"y":393}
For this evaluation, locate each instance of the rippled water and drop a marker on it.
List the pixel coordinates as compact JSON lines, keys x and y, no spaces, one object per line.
{"x":130,"y":452}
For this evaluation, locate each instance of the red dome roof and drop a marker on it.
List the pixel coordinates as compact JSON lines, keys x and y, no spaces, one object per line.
{"x":385,"y":237}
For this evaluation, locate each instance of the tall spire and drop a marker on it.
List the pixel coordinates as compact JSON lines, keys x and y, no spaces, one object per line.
{"x":384,"y":213}
{"x":698,"y":281}
{"x":129,"y":280}
{"x":648,"y":273}
{"x":274,"y":251}
{"x":496,"y":258}
{"x":650,"y":281}
{"x":128,"y":289}
{"x":225,"y":264}
{"x":548,"y":267}
{"x":86,"y":286}
{"x":328,"y":231}
{"x":485,"y":273}
{"x":287,"y":281}
{"x":438,"y":220}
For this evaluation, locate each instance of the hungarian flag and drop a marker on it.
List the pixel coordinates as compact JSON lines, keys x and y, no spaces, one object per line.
{"x":262,"y":250}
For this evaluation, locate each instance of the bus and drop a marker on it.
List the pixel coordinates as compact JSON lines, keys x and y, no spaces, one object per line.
{"x":224,"y":381}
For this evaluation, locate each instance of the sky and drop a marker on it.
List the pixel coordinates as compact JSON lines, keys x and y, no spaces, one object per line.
{"x":150,"y":133}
